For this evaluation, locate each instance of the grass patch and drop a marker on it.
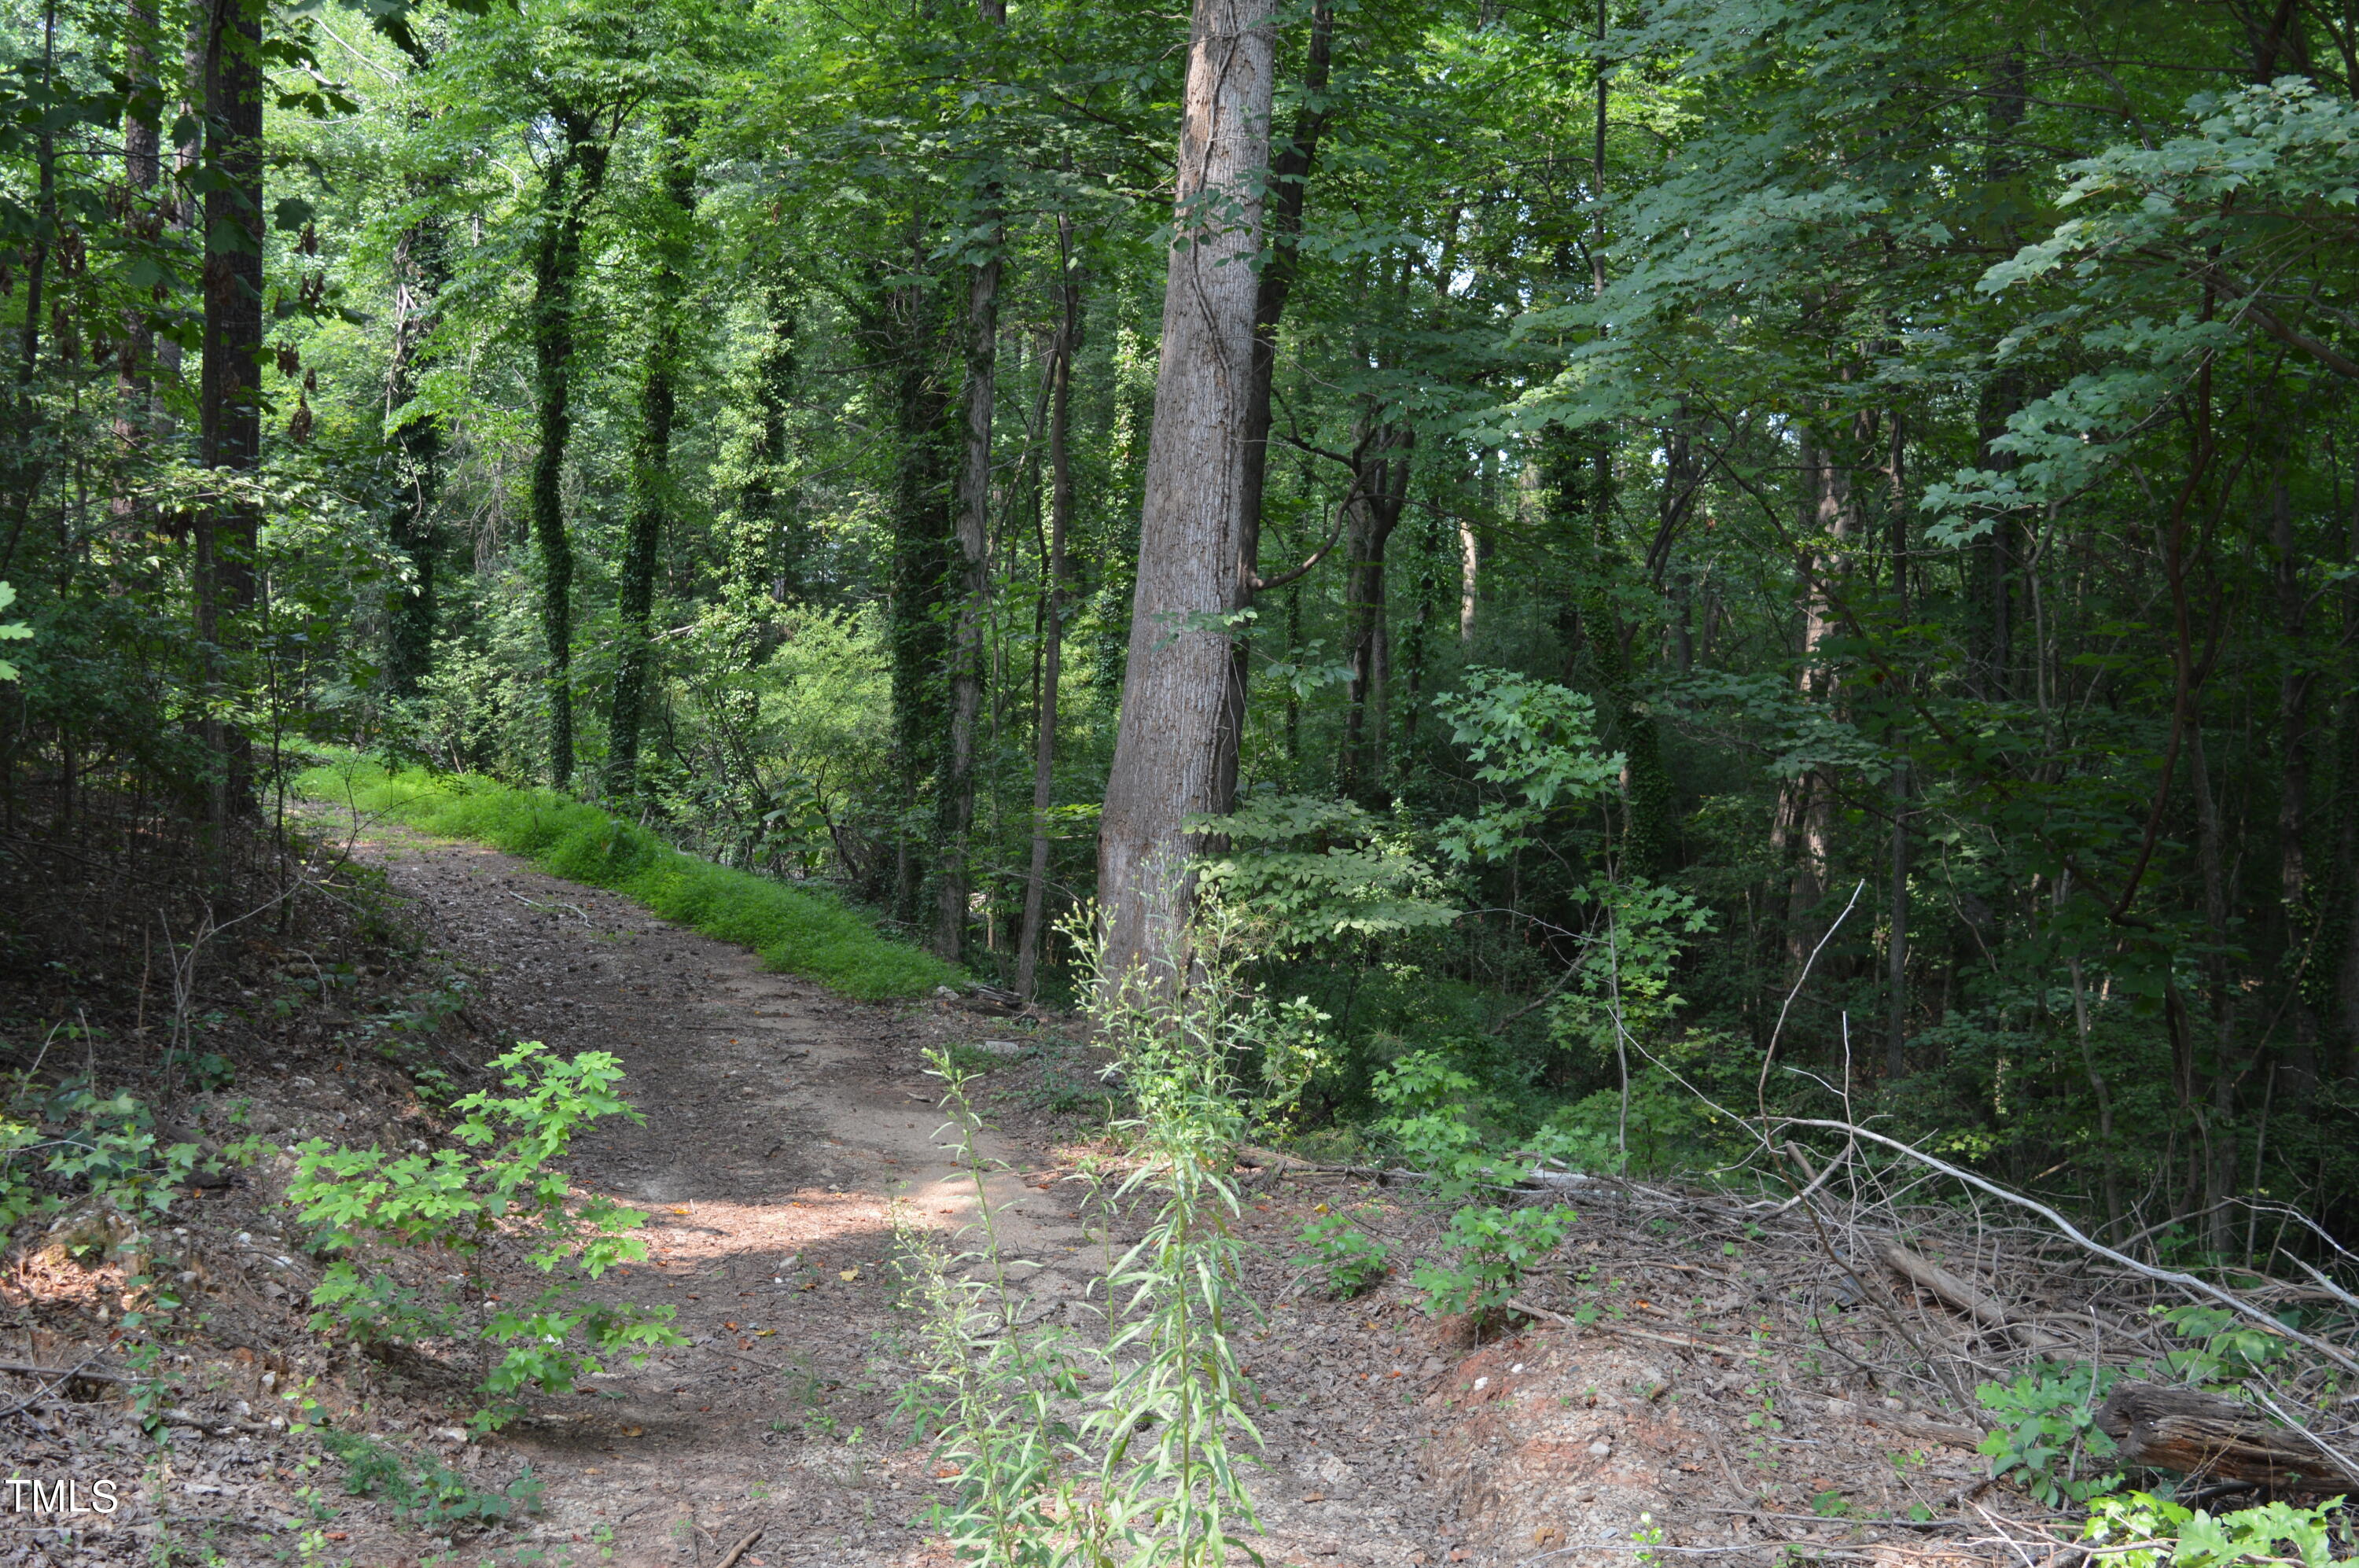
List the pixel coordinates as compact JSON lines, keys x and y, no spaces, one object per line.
{"x":809,"y":935}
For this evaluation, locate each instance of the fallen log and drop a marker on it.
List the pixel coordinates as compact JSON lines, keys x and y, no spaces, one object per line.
{"x":2209,"y":1438}
{"x":1956,"y":1293}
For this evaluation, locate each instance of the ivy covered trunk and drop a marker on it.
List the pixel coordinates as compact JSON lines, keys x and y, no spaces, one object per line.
{"x":570,"y":181}
{"x":650,"y":469}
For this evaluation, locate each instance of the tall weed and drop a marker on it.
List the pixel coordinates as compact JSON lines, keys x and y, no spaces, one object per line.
{"x":1128,"y":1452}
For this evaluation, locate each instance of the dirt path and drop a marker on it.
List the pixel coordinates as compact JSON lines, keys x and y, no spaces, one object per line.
{"x":781,"y":1121}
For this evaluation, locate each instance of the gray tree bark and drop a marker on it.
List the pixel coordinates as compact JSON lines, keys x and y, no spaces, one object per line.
{"x":1177,"y":728}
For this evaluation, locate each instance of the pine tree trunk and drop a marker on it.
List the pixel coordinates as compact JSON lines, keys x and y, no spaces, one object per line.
{"x":650,"y":471}
{"x":1175,"y":746}
{"x":1052,"y":630}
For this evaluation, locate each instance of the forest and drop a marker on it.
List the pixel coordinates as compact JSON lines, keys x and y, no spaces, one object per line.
{"x":1614,"y":572}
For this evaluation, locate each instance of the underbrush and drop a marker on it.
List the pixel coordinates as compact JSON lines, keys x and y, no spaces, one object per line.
{"x":421,"y":1488}
{"x":809,"y":935}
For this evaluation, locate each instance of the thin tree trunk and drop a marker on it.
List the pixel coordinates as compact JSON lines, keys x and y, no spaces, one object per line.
{"x":2293,"y":771}
{"x":1380,"y":489}
{"x":1052,"y":632}
{"x":2109,"y":1170}
{"x":571,"y":180}
{"x":1469,"y":580}
{"x":229,"y":397}
{"x":1896,"y":951}
{"x":924,"y":483}
{"x":142,"y":171}
{"x":650,"y":477}
{"x":1175,"y":741}
{"x":1290,"y":163}
{"x":1828,"y":526}
{"x":2217,"y":1128}
{"x":421,"y":270}
{"x":954,"y":814}
{"x":28,"y":462}
{"x":2337,"y":965}
{"x":765,"y":562}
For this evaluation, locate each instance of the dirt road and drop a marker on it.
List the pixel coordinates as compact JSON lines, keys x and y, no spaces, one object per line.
{"x":780,"y":1123}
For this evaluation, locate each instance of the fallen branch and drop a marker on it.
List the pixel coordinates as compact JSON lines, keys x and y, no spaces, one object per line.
{"x":27,"y":1369}
{"x":2228,"y":1299}
{"x":1680,"y":1340}
{"x":744,"y":1544}
{"x":1953,"y":1291}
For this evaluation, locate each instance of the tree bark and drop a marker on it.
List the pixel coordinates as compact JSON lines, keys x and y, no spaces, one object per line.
{"x":421,"y":270}
{"x":570,"y":181}
{"x":954,"y":815}
{"x":143,"y":224}
{"x":1175,"y":741}
{"x":1290,"y":163}
{"x":765,"y":562}
{"x":1895,"y":947}
{"x":229,"y":398}
{"x":650,"y":466}
{"x":924,"y":483}
{"x":1828,"y":525}
{"x":1380,"y":489}
{"x":1053,"y":631}
{"x":2294,"y":681}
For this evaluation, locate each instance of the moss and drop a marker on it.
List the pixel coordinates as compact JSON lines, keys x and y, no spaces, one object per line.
{"x":812,"y":935}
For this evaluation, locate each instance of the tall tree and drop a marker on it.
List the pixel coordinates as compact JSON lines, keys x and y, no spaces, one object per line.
{"x":650,"y":476}
{"x":1066,"y":343}
{"x":570,"y":181}
{"x":956,"y":817}
{"x":230,"y":395}
{"x":1177,"y":738}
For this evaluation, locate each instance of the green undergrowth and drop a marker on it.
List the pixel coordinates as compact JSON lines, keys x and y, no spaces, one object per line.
{"x":809,"y":935}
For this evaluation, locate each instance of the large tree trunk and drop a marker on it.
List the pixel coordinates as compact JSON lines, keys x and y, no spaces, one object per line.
{"x":1052,"y":630}
{"x":650,"y":469}
{"x":230,"y":395}
{"x":572,"y":179}
{"x":1174,"y":747}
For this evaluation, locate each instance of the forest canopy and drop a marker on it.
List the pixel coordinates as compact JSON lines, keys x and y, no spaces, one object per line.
{"x":1647,"y":560}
